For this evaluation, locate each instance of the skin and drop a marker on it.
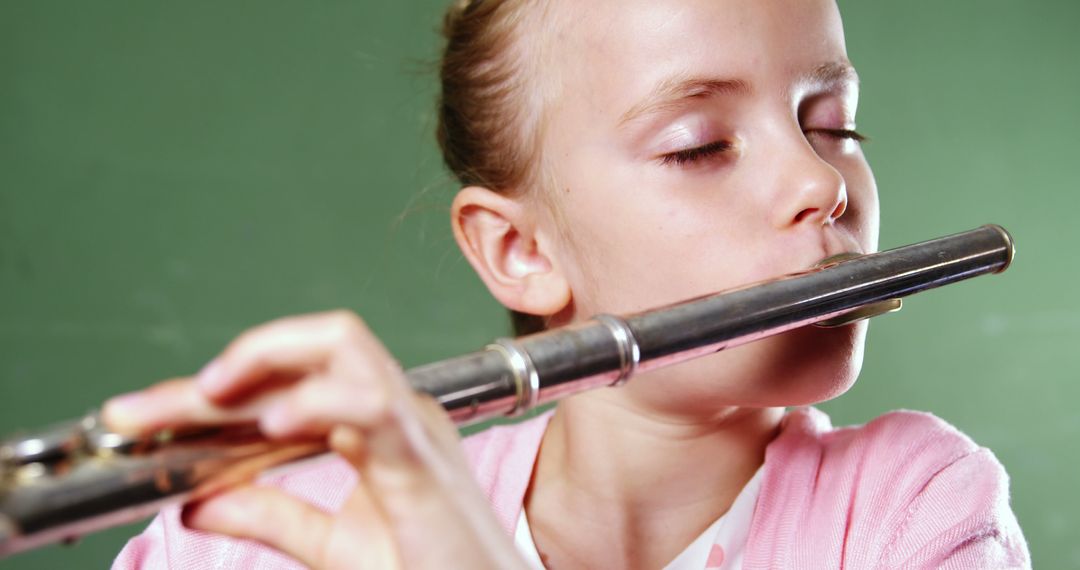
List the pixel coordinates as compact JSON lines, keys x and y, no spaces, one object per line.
{"x":626,"y":230}
{"x":627,"y":221}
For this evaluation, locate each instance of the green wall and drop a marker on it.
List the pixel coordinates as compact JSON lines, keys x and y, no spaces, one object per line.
{"x":171,"y":173}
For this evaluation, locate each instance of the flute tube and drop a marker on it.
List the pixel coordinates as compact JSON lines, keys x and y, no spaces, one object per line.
{"x":76,"y":478}
{"x":484,"y":384}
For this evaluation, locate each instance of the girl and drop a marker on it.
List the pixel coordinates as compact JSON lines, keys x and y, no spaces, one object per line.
{"x":616,"y":155}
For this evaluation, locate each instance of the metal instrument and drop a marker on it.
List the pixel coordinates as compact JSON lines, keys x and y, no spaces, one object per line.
{"x":77,"y":477}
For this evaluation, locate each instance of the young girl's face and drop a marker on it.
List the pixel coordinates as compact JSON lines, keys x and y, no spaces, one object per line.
{"x":700,"y":145}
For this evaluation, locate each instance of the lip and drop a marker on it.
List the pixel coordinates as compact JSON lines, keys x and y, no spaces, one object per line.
{"x":836,"y":246}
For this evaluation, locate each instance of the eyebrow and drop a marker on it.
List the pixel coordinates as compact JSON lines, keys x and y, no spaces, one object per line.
{"x":833,"y":72}
{"x":674,"y":91}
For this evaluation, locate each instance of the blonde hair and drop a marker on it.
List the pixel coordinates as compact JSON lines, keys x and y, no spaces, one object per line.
{"x":489,"y":108}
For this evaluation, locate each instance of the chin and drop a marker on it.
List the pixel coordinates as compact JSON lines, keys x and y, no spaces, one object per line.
{"x":814,"y":365}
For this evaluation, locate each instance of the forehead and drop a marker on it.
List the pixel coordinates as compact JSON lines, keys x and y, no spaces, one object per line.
{"x":614,"y":51}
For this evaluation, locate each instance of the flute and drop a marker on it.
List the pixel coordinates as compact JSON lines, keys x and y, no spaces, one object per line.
{"x":77,"y":477}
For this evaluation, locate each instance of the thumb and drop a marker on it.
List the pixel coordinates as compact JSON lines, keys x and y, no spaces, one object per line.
{"x":359,"y":539}
{"x":264,"y":515}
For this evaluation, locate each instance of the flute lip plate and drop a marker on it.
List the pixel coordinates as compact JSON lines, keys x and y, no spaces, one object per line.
{"x":835,"y":259}
{"x":859,"y":313}
{"x":862,"y":313}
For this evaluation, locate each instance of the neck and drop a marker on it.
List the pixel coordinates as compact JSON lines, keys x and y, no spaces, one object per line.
{"x":638,"y":473}
{"x":605,"y":446}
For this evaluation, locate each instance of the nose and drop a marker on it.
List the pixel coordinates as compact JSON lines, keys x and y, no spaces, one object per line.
{"x":810,"y":190}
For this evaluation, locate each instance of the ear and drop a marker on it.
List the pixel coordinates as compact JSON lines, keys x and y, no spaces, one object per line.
{"x":499,"y":237}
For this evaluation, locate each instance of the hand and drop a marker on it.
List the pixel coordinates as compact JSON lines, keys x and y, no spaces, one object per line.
{"x":327,"y":376}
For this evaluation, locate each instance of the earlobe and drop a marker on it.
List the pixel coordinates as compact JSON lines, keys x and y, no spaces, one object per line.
{"x":499,"y":237}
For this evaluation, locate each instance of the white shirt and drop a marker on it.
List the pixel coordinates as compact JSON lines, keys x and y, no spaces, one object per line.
{"x":720,"y":547}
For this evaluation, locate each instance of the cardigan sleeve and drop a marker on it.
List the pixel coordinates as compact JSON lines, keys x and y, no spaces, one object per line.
{"x":961,"y":519}
{"x":147,"y":550}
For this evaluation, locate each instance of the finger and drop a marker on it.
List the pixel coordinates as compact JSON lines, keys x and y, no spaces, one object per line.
{"x":367,"y":527}
{"x":349,"y":443}
{"x":319,"y":403}
{"x":269,"y":516}
{"x":384,"y":534}
{"x":175,"y":403}
{"x":414,"y":459}
{"x":295,"y":345}
{"x":398,"y":449}
{"x":437,"y":420}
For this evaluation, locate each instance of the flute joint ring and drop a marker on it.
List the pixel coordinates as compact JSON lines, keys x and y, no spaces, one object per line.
{"x":629,"y":350}
{"x":526,"y":377}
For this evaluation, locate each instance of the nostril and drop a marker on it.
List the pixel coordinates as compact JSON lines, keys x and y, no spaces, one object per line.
{"x":839,"y":211}
{"x":804,"y":214}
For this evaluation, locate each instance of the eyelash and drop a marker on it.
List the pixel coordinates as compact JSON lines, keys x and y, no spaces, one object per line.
{"x":692,"y":155}
{"x":840,"y":134}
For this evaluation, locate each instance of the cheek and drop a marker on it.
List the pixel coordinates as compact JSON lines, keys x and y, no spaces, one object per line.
{"x":608,"y":243}
{"x":631,"y":255}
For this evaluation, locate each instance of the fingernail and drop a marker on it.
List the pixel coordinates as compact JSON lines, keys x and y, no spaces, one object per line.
{"x":129,"y":400}
{"x":211,"y":378}
{"x":123,"y":410}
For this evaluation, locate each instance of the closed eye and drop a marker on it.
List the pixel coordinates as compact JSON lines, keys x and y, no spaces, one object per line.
{"x":847,"y":134}
{"x":692,"y":155}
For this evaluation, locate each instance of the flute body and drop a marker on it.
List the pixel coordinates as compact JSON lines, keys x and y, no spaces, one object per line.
{"x":77,"y":477}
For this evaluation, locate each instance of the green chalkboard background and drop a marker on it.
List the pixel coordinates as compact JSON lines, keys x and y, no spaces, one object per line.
{"x":173,"y":172}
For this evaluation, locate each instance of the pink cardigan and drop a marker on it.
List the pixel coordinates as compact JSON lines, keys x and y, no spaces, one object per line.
{"x":906,"y":490}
